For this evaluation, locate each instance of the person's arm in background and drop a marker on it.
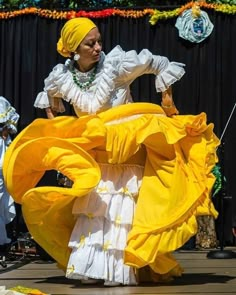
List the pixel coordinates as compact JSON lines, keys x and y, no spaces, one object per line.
{"x":234,"y":231}
{"x":4,"y":133}
{"x":234,"y":217}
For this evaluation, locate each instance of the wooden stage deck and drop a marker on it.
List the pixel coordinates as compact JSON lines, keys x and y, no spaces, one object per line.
{"x":202,"y":276}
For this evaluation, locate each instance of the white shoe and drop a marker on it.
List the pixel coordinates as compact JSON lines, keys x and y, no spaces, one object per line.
{"x":111,"y":284}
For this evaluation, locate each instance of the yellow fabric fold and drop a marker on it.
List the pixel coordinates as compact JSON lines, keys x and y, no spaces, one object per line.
{"x":26,"y":290}
{"x":176,"y":187}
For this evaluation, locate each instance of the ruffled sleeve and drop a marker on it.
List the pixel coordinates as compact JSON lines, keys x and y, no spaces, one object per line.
{"x":172,"y":73}
{"x":134,"y":65}
{"x":51,"y":95}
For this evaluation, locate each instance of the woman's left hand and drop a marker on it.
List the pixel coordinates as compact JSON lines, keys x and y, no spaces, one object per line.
{"x":167,"y":103}
{"x":170,"y":110}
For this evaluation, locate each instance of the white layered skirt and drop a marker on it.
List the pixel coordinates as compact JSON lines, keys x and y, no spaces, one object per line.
{"x":7,"y":205}
{"x":104,"y":218}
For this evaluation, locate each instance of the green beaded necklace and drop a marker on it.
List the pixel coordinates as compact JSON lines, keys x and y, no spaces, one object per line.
{"x":87,"y":84}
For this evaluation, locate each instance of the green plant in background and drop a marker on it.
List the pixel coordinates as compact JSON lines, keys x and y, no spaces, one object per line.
{"x":121,"y":3}
{"x":229,"y":2}
{"x":9,"y":4}
{"x":16,"y":4}
{"x":77,"y":4}
{"x":98,"y":4}
{"x":220,"y":180}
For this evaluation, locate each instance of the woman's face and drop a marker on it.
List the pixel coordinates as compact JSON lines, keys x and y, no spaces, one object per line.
{"x":90,"y":47}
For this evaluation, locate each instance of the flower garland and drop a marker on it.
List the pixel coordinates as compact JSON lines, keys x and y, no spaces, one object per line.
{"x":158,"y":15}
{"x":155,"y":15}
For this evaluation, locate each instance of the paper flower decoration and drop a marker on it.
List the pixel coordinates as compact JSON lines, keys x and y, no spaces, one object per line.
{"x":194,"y":24}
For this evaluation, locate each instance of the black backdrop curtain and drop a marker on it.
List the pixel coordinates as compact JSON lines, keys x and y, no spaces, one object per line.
{"x":28,"y":53}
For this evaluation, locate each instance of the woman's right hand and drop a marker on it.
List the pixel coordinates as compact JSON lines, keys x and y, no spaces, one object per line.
{"x":50,"y":113}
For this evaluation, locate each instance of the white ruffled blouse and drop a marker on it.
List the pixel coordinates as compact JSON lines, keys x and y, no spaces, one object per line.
{"x":111,"y":85}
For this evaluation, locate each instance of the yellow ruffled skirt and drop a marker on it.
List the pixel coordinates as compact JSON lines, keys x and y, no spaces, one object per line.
{"x":180,"y":153}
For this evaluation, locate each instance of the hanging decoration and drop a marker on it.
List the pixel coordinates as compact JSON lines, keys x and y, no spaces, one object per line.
{"x":194,"y":24}
{"x":155,"y":15}
{"x":158,"y":15}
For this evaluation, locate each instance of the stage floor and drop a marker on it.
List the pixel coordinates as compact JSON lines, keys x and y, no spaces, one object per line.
{"x":202,"y":276}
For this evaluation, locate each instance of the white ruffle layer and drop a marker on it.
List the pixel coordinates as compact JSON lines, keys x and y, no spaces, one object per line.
{"x":104,"y":218}
{"x":105,"y":265}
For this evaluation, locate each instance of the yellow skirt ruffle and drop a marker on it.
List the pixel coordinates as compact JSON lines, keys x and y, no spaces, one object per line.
{"x":176,"y":187}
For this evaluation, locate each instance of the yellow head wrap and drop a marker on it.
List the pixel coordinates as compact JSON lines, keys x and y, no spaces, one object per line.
{"x":72,"y":33}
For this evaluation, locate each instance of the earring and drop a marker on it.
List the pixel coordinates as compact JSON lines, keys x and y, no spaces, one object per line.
{"x":76,"y":57}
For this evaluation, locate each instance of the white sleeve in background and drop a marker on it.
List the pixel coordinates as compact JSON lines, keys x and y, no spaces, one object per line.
{"x":8,"y":115}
